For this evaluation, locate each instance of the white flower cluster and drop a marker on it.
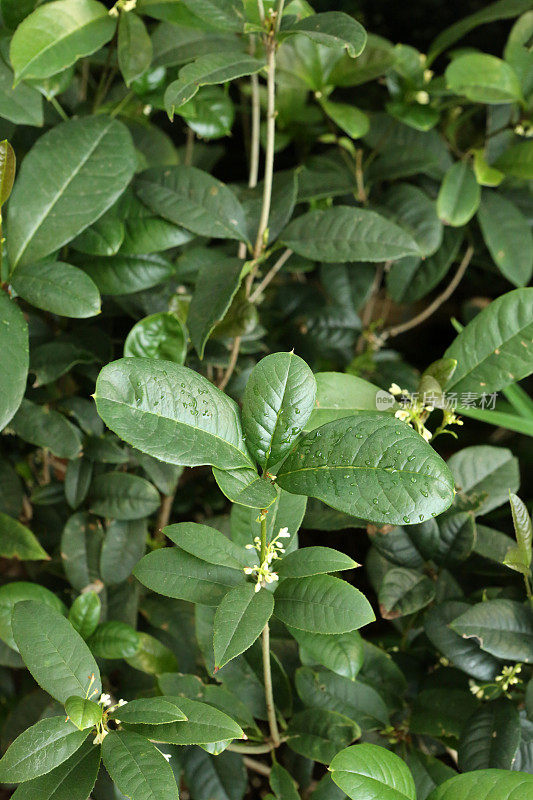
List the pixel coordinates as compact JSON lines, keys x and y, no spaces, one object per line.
{"x":263,"y":572}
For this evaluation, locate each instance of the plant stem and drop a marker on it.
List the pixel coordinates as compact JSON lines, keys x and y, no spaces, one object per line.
{"x":165,"y":510}
{"x":60,"y":110}
{"x":528,"y":588}
{"x":232,"y":363}
{"x":429,"y":310}
{"x":270,"y":274}
{"x":256,"y":749}
{"x":256,"y":766}
{"x":270,"y":44}
{"x":269,"y":694}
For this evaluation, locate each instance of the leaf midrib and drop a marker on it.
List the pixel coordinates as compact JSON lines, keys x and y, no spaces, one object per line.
{"x":353,"y":467}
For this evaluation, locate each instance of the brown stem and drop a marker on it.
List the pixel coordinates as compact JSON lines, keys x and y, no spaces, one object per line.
{"x":256,"y":766}
{"x":270,"y":275}
{"x":232,"y":363}
{"x":368,"y":311}
{"x":165,"y":510}
{"x":427,"y":312}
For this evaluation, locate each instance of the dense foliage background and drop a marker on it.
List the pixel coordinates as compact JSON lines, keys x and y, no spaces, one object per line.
{"x":311,"y":237}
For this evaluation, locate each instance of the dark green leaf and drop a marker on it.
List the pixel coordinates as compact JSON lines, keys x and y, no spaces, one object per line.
{"x":81,"y":542}
{"x":404,"y":591}
{"x":17,"y":541}
{"x":216,"y":285}
{"x":114,"y":640}
{"x":83,"y":713}
{"x":137,"y":767}
{"x":459,"y":195}
{"x":72,"y":780}
{"x":319,"y":733}
{"x":40,"y":749}
{"x":151,"y":711}
{"x":511,"y":242}
{"x":313,"y":561}
{"x":503,"y":628}
{"x":204,"y":724}
{"x":123,"y":546}
{"x":208,"y":544}
{"x":14,"y":357}
{"x":122,"y":496}
{"x":134,"y":47}
{"x":125,"y":274}
{"x":333,"y":29}
{"x":85,"y":613}
{"x":239,"y":620}
{"x":22,"y":104}
{"x":491,"y":738}
{"x":13,"y":593}
{"x":38,"y":284}
{"x":160,"y":335}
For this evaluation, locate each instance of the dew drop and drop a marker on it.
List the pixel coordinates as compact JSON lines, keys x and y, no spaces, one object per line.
{"x":406,"y":519}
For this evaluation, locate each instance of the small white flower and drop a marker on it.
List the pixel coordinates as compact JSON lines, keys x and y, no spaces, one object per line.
{"x":257,"y":587}
{"x":395,"y":389}
{"x":167,"y":756}
{"x":105,"y":700}
{"x":247,"y":570}
{"x":402,"y":414}
{"x":284,"y":533}
{"x":249,"y":547}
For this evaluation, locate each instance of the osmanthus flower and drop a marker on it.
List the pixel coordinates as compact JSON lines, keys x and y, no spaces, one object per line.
{"x":274,"y":550}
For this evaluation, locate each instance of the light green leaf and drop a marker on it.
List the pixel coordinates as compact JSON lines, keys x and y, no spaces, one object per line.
{"x":38,"y":285}
{"x":57,"y":34}
{"x":15,"y":592}
{"x":494,"y":349}
{"x":151,"y":711}
{"x":511,"y":242}
{"x":343,"y":233}
{"x":160,"y":335}
{"x":123,"y":496}
{"x":501,"y":784}
{"x":523,"y":530}
{"x":313,"y":561}
{"x":373,"y":772}
{"x":69,"y":178}
{"x":72,"y":780}
{"x":194,"y":200}
{"x":171,"y":412}
{"x":225,"y":15}
{"x":54,"y":652}
{"x":404,"y":591}
{"x":245,"y":487}
{"x":459,"y":195}
{"x":517,"y":161}
{"x":239,"y":620}
{"x":404,"y":480}
{"x":341,"y":395}
{"x":332,"y":29}
{"x":208,"y":544}
{"x":277,"y":402}
{"x":17,"y":541}
{"x":134,"y":47}
{"x":321,"y":604}
{"x":152,"y":656}
{"x":8,"y":164}
{"x":350,"y":119}
{"x":137,"y":767}
{"x":504,"y":628}
{"x":14,"y":357}
{"x":83,"y":713}
{"x":342,"y":653}
{"x":174,"y":573}
{"x":217,"y":283}
{"x":84,"y":613}
{"x":208,"y":70}
{"x":485,"y":470}
{"x":114,"y":639}
{"x":40,"y":749}
{"x":483,"y":78}
{"x":204,"y":725}
{"x":22,"y":104}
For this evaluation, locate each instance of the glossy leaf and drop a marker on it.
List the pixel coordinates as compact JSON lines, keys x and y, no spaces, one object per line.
{"x":69,"y":178}
{"x":459,"y":195}
{"x":332,"y":29}
{"x":342,"y":653}
{"x":373,"y":772}
{"x":14,"y":357}
{"x":151,"y":711}
{"x":318,"y":734}
{"x":7,"y":170}
{"x":53,"y":651}
{"x":403,"y":592}
{"x":137,"y":767}
{"x":207,"y":544}
{"x":503,"y":784}
{"x":313,"y":561}
{"x":38,"y":285}
{"x":341,"y":395}
{"x":160,"y":335}
{"x":519,"y":557}
{"x":134,"y":47}
{"x":17,"y":541}
{"x":246,"y":487}
{"x":277,"y":402}
{"x":114,"y":639}
{"x":83,"y":713}
{"x":240,"y":618}
{"x":216,"y":285}
{"x":204,"y":724}
{"x":170,"y":412}
{"x":483,"y":78}
{"x":125,"y":274}
{"x":503,"y":628}
{"x":84,"y":613}
{"x":510,"y":243}
{"x":321,"y":604}
{"x":71,"y":780}
{"x":15,"y":592}
{"x":349,"y":118}
{"x":485,"y":473}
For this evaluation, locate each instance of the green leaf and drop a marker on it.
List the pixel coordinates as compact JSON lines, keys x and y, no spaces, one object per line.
{"x":485,"y":470}
{"x":410,"y":279}
{"x":501,"y":784}
{"x":524,"y":536}
{"x":151,"y":711}
{"x":459,"y":195}
{"x":56,"y":35}
{"x":491,"y":738}
{"x":428,"y":771}
{"x":404,"y":591}
{"x":282,"y":783}
{"x":343,"y":233}
{"x":405,"y":480}
{"x":342,"y":653}
{"x":223,"y":14}
{"x":137,"y":767}
{"x":83,"y":713}
{"x":81,"y":542}
{"x":54,"y":652}
{"x":483,"y":78}
{"x":413,"y":211}
{"x":84,"y":613}
{"x":277,"y":402}
{"x":51,"y":360}
{"x":503,"y":628}
{"x":207,"y":544}
{"x":246,"y":487}
{"x":171,"y":412}
{"x":40,"y":749}
{"x":122,"y":496}
{"x":349,"y":118}
{"x":442,"y":712}
{"x":160,"y":335}
{"x":8,"y":164}
{"x":13,"y":593}
{"x":510,"y":243}
{"x":14,"y":357}
{"x":204,"y":725}
{"x":313,"y":561}
{"x":125,"y":274}
{"x":114,"y":640}
{"x":17,"y":541}
{"x":216,"y":285}
{"x":221,"y":777}
{"x":210,"y":113}
{"x":72,"y":780}
{"x":340,"y":395}
{"x":152,"y":656}
{"x":332,"y":29}
{"x":517,"y":161}
{"x":356,"y":700}
{"x":318,"y":734}
{"x":486,"y":175}
{"x":78,"y":478}
{"x":373,"y":772}
{"x":66,"y":183}
{"x":103,"y":238}
{"x":208,"y":70}
{"x":174,"y":573}
{"x":37,"y":284}
{"x":134,"y":47}
{"x":124,"y":545}
{"x":493,"y":350}
{"x":194,"y":200}
{"x":240,"y":618}
{"x":22,"y":104}
{"x":321,"y":604}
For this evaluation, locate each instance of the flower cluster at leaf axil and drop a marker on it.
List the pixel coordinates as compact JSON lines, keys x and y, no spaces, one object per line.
{"x":263,"y":572}
{"x":416,"y":409}
{"x":107,"y":707}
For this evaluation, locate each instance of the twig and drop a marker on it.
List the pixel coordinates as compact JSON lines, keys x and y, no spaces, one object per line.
{"x":270,"y":275}
{"x":366,"y":317}
{"x":427,"y":312}
{"x":59,"y":108}
{"x":256,"y":749}
{"x":165,"y":510}
{"x":257,"y":766}
{"x":232,"y":363}
{"x":269,"y":694}
{"x":269,"y":150}
{"x":255,"y":137}
{"x":361,"y":191}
